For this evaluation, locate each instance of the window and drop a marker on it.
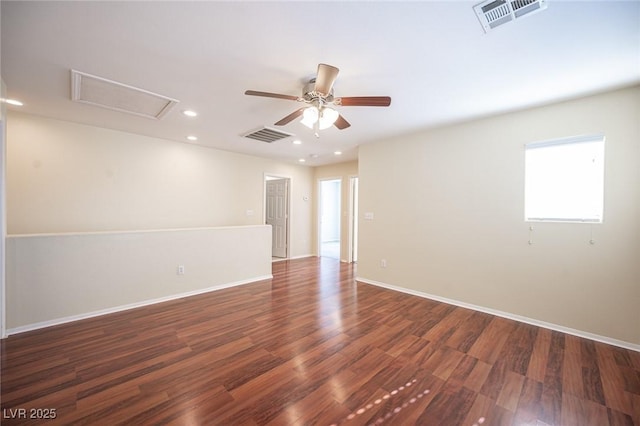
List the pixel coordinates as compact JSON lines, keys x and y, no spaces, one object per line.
{"x":564,"y":180}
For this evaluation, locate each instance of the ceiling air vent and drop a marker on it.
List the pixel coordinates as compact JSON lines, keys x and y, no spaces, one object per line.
{"x":493,"y":13}
{"x":98,"y":91}
{"x":267,"y":135}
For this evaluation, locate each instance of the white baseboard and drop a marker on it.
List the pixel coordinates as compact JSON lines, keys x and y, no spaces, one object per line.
{"x":58,"y":321}
{"x":302,"y":256}
{"x":292,"y":258}
{"x":519,"y":318}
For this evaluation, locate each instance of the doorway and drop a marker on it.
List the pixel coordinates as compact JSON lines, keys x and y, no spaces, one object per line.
{"x":353,"y":216}
{"x":276,"y":214}
{"x":329,"y":229}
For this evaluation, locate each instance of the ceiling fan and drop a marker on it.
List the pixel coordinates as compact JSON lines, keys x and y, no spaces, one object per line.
{"x":318,"y":96}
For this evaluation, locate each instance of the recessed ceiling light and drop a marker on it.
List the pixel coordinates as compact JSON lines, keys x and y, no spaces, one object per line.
{"x":337,"y":152}
{"x":297,"y":142}
{"x":302,"y":160}
{"x":13,"y":102}
{"x":189,"y":113}
{"x":192,"y":138}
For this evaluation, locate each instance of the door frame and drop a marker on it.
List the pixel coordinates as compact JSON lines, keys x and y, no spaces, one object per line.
{"x":3,"y":211}
{"x":273,"y":176}
{"x":319,"y":214}
{"x":353,"y":218}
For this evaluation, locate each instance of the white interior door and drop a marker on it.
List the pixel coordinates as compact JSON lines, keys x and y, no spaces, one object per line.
{"x":276,"y":214}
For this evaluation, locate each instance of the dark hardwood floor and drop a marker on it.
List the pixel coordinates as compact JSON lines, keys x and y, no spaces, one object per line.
{"x":312,"y":346}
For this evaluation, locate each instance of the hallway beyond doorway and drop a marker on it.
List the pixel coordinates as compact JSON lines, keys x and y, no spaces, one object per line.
{"x":330,"y":249}
{"x":329,"y":230}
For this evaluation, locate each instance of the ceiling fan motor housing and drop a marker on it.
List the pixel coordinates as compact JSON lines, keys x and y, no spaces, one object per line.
{"x":310,"y":95}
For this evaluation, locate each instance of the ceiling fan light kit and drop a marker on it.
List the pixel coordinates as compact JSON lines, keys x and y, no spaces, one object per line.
{"x":318,"y":94}
{"x":310,"y":117}
{"x":324,"y":117}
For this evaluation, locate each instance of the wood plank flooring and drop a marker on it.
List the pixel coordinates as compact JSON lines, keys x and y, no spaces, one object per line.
{"x":312,"y":346}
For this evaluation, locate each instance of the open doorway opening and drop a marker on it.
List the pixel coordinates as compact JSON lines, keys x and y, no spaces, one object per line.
{"x":353,"y":216}
{"x":276,"y":214}
{"x":329,"y":220}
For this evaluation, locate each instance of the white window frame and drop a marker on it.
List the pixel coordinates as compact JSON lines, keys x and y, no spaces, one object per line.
{"x":596,"y":175}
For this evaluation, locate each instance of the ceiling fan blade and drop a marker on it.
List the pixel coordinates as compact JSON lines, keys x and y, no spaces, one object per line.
{"x":326,"y":77}
{"x":289,"y":118}
{"x":379,"y":101}
{"x":341,"y":123}
{"x":271,"y":95}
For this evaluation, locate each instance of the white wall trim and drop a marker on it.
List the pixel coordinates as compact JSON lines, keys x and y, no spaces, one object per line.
{"x":519,"y":318}
{"x":59,"y":321}
{"x":283,"y":259}
{"x":302,"y":256}
{"x":127,"y":232}
{"x":3,"y":211}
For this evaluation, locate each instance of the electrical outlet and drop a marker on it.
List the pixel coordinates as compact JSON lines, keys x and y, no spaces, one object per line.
{"x":180,"y":270}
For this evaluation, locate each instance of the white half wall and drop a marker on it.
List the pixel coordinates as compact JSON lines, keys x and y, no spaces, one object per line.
{"x":57,"y":278}
{"x":448,"y":218}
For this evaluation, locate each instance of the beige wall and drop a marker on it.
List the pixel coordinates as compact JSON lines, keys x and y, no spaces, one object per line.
{"x":66,"y":177}
{"x":343,"y":171}
{"x":448,"y":210}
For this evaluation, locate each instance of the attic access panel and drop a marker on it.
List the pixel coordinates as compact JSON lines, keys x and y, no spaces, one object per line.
{"x":99,"y":91}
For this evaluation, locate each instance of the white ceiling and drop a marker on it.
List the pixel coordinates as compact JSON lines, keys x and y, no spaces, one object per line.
{"x":432,"y":58}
